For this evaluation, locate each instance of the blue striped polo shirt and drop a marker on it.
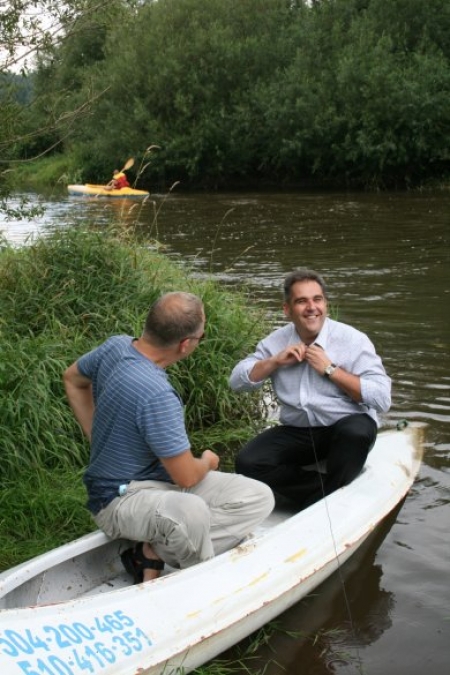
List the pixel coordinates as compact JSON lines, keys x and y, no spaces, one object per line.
{"x":138,"y":418}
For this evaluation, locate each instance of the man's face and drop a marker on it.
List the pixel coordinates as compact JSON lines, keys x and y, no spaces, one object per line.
{"x":306,"y":308}
{"x":194,"y":340}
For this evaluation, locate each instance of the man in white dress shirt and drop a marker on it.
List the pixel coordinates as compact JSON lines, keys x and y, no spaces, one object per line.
{"x":330,"y":383}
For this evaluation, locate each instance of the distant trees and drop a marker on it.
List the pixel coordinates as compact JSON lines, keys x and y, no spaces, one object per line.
{"x":39,"y":108}
{"x":366,"y":97}
{"x":31,"y":33}
{"x":343,"y":92}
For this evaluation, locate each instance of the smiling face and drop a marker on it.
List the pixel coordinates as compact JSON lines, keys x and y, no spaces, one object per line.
{"x":307,"y":309}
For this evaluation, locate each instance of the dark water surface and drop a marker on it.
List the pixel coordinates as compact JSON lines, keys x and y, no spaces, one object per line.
{"x":386,"y":258}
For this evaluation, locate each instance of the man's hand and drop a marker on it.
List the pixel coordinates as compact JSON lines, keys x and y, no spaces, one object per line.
{"x":291,"y":355}
{"x":287,"y":357}
{"x":317,"y":358}
{"x":211,"y":459}
{"x":186,"y":470}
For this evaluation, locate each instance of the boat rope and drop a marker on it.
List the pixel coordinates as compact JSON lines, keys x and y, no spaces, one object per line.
{"x":359,"y":665}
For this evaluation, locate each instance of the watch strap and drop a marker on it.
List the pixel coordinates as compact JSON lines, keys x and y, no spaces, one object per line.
{"x":329,"y":370}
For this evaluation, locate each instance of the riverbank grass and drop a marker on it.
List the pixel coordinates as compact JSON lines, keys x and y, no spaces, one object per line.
{"x":61,"y":296}
{"x":46,"y":172}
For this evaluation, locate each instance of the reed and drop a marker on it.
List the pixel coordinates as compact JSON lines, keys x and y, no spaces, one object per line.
{"x":40,"y":510}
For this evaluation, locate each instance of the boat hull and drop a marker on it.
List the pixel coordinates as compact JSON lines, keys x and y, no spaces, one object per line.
{"x":102,"y":624}
{"x":92,"y":190}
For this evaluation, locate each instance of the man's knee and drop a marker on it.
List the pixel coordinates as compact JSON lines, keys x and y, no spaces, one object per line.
{"x":186,"y":512}
{"x":359,"y":429}
{"x":183,"y":531}
{"x":260,"y":456}
{"x":244,"y":464}
{"x":354,"y":437}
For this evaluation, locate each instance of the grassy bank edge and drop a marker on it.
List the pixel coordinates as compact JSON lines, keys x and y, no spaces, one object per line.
{"x":60,"y":170}
{"x":62,"y":295}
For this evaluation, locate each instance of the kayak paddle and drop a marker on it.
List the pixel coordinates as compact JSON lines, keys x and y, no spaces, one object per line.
{"x":128,"y":164}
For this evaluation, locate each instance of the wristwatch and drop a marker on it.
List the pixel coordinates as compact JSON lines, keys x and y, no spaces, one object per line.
{"x":329,"y":370}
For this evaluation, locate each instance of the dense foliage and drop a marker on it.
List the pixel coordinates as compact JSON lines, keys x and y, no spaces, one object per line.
{"x":348,"y":92}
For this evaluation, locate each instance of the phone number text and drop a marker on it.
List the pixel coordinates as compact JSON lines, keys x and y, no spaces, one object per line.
{"x":82,"y":648}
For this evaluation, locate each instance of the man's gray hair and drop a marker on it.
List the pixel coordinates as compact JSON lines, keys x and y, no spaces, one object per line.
{"x":173,"y":317}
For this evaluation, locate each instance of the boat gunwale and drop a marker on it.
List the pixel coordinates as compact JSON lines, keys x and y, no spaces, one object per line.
{"x":26,"y":571}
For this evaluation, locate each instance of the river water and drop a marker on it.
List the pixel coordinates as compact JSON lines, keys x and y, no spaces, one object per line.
{"x":386,"y":259}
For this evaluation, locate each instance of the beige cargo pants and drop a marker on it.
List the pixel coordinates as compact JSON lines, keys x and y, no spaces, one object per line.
{"x":188,"y":526}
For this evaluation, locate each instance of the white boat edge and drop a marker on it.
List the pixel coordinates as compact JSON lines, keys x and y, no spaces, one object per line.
{"x":184,"y":619}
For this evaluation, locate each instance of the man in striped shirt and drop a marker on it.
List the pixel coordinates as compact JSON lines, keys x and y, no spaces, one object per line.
{"x":143,"y":482}
{"x":330,"y":383}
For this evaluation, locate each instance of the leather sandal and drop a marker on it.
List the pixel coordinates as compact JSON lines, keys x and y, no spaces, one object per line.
{"x":135,"y":562}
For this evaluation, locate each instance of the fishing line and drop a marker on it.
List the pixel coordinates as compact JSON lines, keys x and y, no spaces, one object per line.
{"x":339,"y":569}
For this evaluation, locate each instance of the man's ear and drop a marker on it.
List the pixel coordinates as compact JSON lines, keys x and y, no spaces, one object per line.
{"x":183,"y":346}
{"x":286,"y":310}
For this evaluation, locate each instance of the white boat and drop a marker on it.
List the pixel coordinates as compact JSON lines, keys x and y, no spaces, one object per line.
{"x":73,"y":610}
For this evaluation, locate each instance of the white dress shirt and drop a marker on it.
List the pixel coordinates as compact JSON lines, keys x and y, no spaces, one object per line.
{"x":306,"y":397}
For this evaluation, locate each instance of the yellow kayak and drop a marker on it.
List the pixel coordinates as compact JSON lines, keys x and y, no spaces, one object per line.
{"x":92,"y":190}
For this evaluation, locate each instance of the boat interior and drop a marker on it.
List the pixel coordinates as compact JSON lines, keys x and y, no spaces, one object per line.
{"x":88,"y":566}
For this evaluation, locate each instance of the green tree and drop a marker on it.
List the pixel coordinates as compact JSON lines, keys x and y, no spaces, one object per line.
{"x":32,"y":34}
{"x":184,"y":79}
{"x":335,"y":91}
{"x":365,"y":101}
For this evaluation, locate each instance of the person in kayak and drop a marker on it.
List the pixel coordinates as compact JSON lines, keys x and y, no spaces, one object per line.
{"x":329,"y":382}
{"x":118,"y":181}
{"x":143,"y":481}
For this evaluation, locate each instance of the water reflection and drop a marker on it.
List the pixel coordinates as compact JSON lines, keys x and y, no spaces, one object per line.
{"x":328,"y":630}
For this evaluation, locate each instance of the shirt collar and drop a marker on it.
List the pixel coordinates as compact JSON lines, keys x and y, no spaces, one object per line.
{"x":322,"y":339}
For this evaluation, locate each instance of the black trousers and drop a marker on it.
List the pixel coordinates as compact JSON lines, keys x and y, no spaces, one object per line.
{"x":277,"y":457}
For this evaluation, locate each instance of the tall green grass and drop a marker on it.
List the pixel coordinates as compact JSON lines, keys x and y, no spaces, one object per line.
{"x":60,"y":297}
{"x":46,"y":172}
{"x":39,"y":510}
